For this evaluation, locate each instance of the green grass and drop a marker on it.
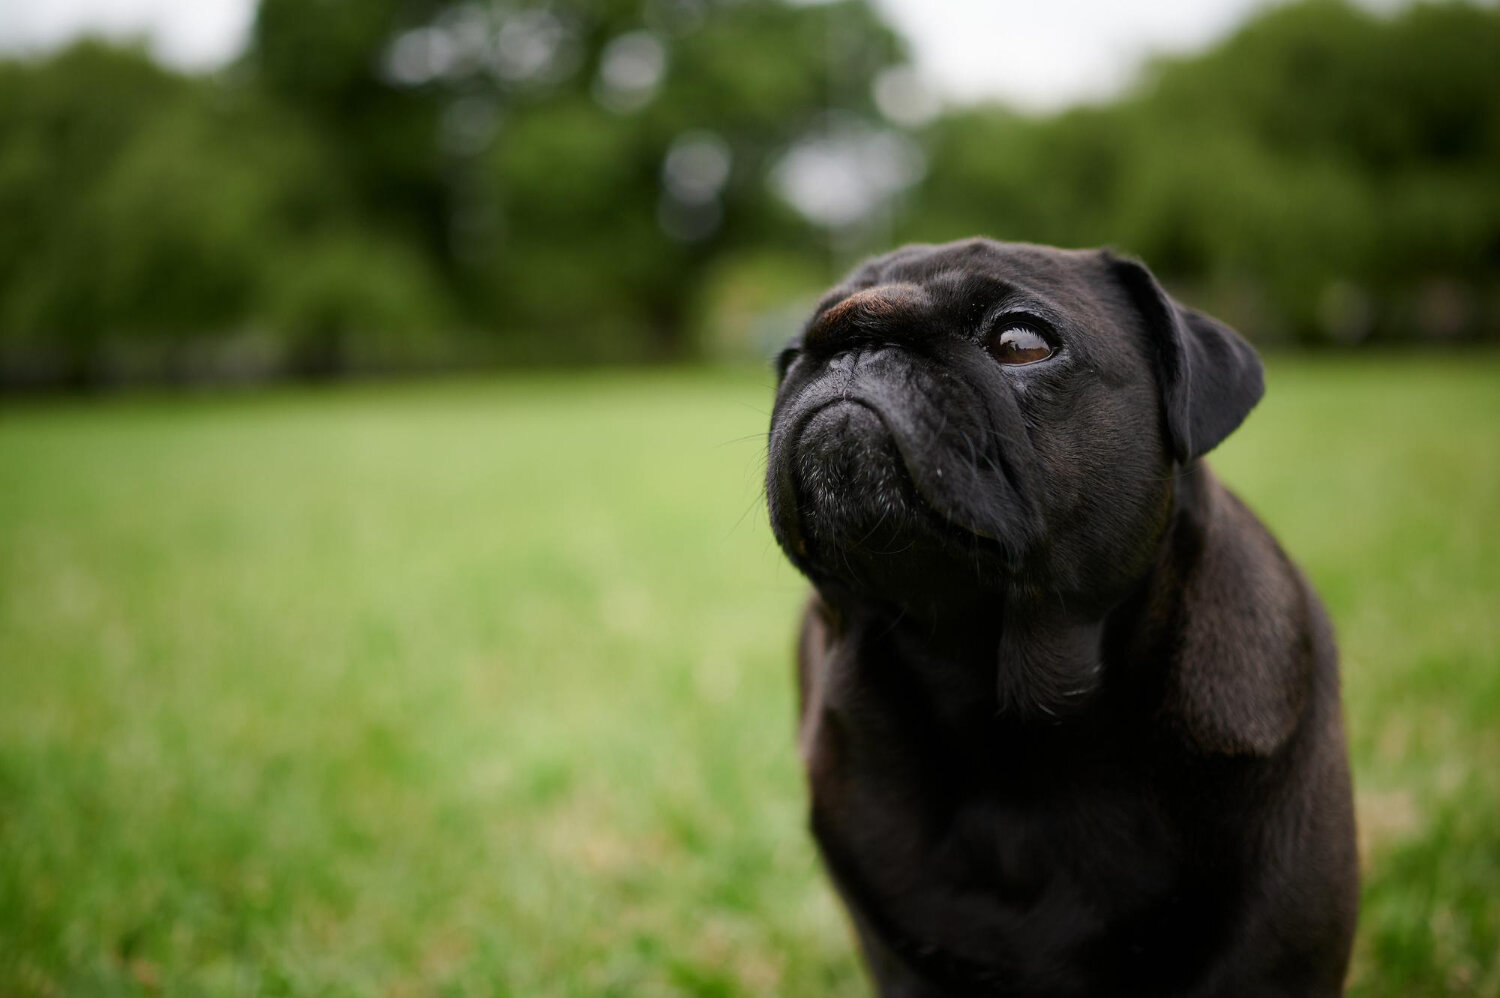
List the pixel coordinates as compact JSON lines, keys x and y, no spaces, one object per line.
{"x":484,"y":687}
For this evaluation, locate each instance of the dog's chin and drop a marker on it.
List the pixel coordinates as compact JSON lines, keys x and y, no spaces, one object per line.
{"x":855,"y":518}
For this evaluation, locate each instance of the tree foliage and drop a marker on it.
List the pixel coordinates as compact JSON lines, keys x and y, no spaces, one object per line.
{"x":1327,"y":174}
{"x":393,"y":182}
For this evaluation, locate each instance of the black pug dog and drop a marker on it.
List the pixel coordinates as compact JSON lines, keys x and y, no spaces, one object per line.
{"x":1070,"y":716}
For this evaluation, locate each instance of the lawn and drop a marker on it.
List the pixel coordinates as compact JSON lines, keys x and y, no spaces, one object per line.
{"x":482,"y":687}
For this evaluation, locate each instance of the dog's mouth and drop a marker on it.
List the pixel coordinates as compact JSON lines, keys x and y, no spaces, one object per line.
{"x":853,"y":489}
{"x":881,"y":476}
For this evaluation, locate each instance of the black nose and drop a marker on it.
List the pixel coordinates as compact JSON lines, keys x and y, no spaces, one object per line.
{"x":884,"y":314}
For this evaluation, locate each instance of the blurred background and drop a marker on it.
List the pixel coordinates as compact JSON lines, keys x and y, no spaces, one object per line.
{"x":314,"y":188}
{"x":480,"y":683}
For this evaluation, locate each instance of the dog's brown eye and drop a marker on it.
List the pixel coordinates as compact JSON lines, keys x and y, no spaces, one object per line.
{"x":1019,"y":345}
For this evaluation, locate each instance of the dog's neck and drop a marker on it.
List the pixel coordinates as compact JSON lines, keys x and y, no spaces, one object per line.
{"x":1027,"y":659}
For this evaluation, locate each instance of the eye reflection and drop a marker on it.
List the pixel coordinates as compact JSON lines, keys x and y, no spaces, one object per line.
{"x":1016,"y":345}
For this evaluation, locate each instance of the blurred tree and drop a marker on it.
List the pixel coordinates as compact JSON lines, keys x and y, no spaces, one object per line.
{"x":573,"y":166}
{"x":323,"y":61}
{"x":149,"y":214}
{"x":60,"y":120}
{"x":1327,"y":173}
{"x":388,"y":182}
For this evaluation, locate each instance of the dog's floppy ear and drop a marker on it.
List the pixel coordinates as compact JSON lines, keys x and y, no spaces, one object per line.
{"x":1210,"y":377}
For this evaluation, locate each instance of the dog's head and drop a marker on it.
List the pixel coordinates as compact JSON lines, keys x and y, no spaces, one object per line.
{"x":964,"y":423}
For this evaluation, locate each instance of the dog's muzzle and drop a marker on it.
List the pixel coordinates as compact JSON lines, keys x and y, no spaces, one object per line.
{"x":885,"y":462}
{"x":849,"y":478}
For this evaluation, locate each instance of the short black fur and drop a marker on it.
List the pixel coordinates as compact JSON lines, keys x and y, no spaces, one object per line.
{"x":1070,"y":716}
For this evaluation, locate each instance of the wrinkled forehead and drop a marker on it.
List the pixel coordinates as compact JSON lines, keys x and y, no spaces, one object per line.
{"x":963,"y":285}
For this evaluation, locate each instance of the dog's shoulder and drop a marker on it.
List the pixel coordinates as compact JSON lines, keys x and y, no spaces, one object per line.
{"x":1252,"y":635}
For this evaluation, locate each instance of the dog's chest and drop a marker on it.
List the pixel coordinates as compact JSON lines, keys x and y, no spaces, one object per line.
{"x":1048,"y":869}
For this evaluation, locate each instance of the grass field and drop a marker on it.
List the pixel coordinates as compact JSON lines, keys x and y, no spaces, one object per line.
{"x":482,"y":688}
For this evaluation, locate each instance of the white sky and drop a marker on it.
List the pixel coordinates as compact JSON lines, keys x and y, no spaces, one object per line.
{"x":1048,"y":53}
{"x":1040,"y":55}
{"x":189,"y":33}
